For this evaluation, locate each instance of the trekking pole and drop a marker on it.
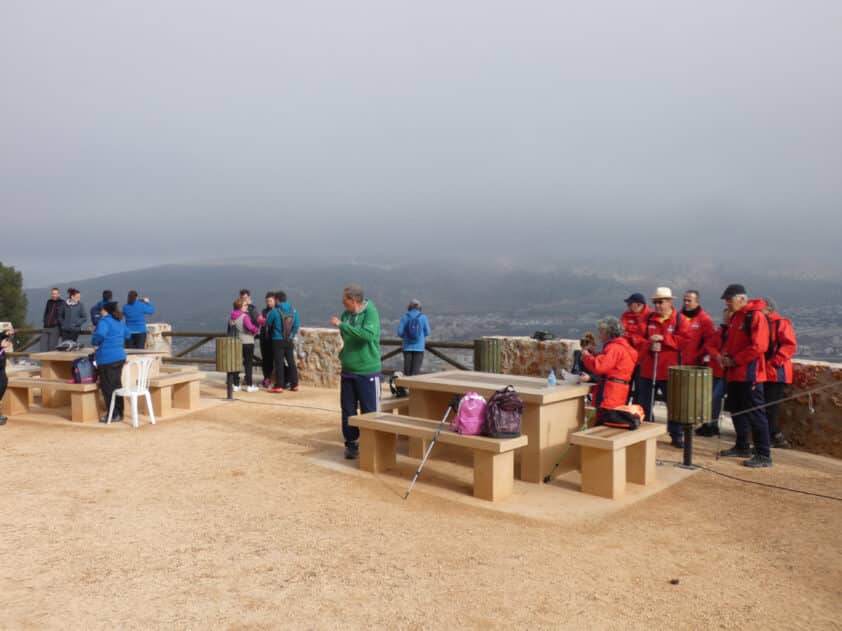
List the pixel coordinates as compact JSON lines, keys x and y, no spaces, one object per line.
{"x":453,"y":405}
{"x":654,"y":387}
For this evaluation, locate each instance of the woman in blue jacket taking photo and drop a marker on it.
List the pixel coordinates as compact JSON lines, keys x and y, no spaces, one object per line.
{"x":109,"y":338}
{"x":413,"y":329}
{"x":136,"y":311}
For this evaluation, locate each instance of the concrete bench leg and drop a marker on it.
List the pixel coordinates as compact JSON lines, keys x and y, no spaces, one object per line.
{"x":640,"y":462}
{"x":161,"y":401}
{"x":494,"y":475}
{"x":186,"y":395}
{"x":377,"y":450}
{"x":604,"y":472}
{"x":16,"y":401}
{"x":417,"y":447}
{"x":83,"y":407}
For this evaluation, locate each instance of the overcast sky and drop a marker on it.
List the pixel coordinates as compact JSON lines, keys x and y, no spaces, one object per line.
{"x":134,"y":133}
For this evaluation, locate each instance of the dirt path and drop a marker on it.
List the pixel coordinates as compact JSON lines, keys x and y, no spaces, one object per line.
{"x":221,"y":520}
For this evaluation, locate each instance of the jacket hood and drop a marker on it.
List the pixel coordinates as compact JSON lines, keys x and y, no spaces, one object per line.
{"x":236,"y":313}
{"x":758,"y":304}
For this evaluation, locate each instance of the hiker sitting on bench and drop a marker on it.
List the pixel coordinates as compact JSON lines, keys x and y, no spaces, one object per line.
{"x":613,"y":366}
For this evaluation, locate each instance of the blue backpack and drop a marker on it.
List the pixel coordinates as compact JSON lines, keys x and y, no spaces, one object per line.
{"x":83,"y":370}
{"x":412,"y":330}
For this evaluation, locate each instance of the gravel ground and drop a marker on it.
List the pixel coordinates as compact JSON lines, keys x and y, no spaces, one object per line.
{"x":221,"y":520}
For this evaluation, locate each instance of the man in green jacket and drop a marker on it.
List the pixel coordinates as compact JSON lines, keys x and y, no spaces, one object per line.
{"x":360,"y":359}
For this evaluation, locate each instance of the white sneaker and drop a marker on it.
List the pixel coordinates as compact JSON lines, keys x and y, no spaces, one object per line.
{"x":252,"y":388}
{"x":235,"y":388}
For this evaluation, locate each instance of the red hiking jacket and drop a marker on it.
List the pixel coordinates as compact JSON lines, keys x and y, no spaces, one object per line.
{"x":700,"y":332}
{"x":671,"y":345}
{"x":779,"y":365}
{"x":747,"y":347}
{"x":635,"y":326}
{"x":614,"y":365}
{"x":714,"y":348}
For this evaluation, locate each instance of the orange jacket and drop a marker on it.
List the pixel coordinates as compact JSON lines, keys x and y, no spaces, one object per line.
{"x":700,"y":332}
{"x":614,"y":365}
{"x":635,"y":326}
{"x":746,"y":345}
{"x":673,"y":330}
{"x":780,"y":354}
{"x":714,"y":348}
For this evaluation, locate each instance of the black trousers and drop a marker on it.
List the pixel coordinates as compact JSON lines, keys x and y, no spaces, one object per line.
{"x":412,"y":361}
{"x":773,"y":391}
{"x":750,"y":426}
{"x":137,"y":340}
{"x":266,"y":351}
{"x":283,"y":353}
{"x":70,"y":335}
{"x":110,"y":379}
{"x":248,"y":365}
{"x":4,"y":380}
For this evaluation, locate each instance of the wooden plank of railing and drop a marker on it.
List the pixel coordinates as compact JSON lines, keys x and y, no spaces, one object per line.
{"x":449,"y":360}
{"x":188,"y":360}
{"x":193,"y":347}
{"x":391,"y":354}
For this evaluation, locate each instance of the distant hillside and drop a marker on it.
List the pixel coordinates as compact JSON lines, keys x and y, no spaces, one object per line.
{"x":463,"y":299}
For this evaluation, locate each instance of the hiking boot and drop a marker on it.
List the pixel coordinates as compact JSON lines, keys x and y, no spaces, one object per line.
{"x":265,"y":383}
{"x":677,"y":442}
{"x":252,"y":388}
{"x":276,"y":389}
{"x":759,"y":462}
{"x":736,"y":452}
{"x":235,"y":388}
{"x":780,"y":441}
{"x":294,"y":388}
{"x":3,"y":420}
{"x":352,"y":451}
{"x":114,"y":419}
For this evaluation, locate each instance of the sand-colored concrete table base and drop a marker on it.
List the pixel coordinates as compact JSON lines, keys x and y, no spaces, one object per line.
{"x":493,"y":457}
{"x":20,"y":396}
{"x":612,"y":456}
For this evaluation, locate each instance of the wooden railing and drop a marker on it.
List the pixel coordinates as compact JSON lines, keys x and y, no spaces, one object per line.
{"x":182,"y":356}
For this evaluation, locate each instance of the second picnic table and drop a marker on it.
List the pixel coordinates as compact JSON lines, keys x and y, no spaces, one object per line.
{"x":551,"y":413}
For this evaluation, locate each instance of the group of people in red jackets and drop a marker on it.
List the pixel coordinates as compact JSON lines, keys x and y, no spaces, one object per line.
{"x":749,"y":353}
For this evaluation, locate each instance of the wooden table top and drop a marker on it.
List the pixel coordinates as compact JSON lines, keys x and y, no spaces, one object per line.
{"x":530,"y":389}
{"x":69,"y":356}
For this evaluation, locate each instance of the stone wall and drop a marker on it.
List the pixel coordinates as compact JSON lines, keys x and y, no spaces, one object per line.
{"x":317,"y":356}
{"x":525,"y":356}
{"x":155,"y":340}
{"x":820,"y":430}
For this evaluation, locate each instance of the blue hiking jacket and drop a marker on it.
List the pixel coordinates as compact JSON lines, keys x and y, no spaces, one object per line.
{"x":417,"y":344}
{"x":135,"y":315}
{"x":110,"y":337}
{"x":275,"y":324}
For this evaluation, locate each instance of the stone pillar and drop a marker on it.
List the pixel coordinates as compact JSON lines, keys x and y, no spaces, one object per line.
{"x":155,"y":341}
{"x":525,"y":356}
{"x":317,"y":356}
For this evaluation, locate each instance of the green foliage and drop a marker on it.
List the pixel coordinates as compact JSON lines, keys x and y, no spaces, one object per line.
{"x":13,"y":300}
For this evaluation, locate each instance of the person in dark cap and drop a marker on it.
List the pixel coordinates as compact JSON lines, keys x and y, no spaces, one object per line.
{"x":109,"y":339}
{"x":743,"y":359}
{"x":634,"y":322}
{"x":413,"y":329}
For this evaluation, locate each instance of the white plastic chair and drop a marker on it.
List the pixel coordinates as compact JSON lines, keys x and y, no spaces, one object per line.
{"x":137,"y":384}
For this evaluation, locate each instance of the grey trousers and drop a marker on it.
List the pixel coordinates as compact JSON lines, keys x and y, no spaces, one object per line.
{"x":50,"y":338}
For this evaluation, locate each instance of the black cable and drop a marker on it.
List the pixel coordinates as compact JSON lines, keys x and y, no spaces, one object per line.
{"x":767,"y":485}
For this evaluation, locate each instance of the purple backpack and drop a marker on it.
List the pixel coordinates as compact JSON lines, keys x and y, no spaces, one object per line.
{"x":503,"y":414}
{"x":470,"y":416}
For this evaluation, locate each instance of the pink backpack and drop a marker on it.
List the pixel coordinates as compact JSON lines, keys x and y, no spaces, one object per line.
{"x":471,"y":414}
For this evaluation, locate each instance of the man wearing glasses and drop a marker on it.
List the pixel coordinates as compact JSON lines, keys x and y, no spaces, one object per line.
{"x":664,"y":337}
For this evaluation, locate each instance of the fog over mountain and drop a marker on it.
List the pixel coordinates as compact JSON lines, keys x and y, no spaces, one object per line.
{"x":465,"y":298}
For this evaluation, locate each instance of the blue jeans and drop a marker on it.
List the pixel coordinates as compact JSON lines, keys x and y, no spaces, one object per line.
{"x":719,"y":385}
{"x":357,"y":390}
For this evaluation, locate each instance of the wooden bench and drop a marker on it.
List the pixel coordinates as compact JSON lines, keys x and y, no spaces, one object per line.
{"x":493,"y":457}
{"x":398,"y":405}
{"x":612,"y":456}
{"x":83,"y":397}
{"x":175,"y":389}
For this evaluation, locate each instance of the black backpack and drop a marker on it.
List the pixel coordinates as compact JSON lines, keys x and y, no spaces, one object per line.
{"x":543,"y":336}
{"x":287,"y":322}
{"x":503,"y":414}
{"x":83,"y":370}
